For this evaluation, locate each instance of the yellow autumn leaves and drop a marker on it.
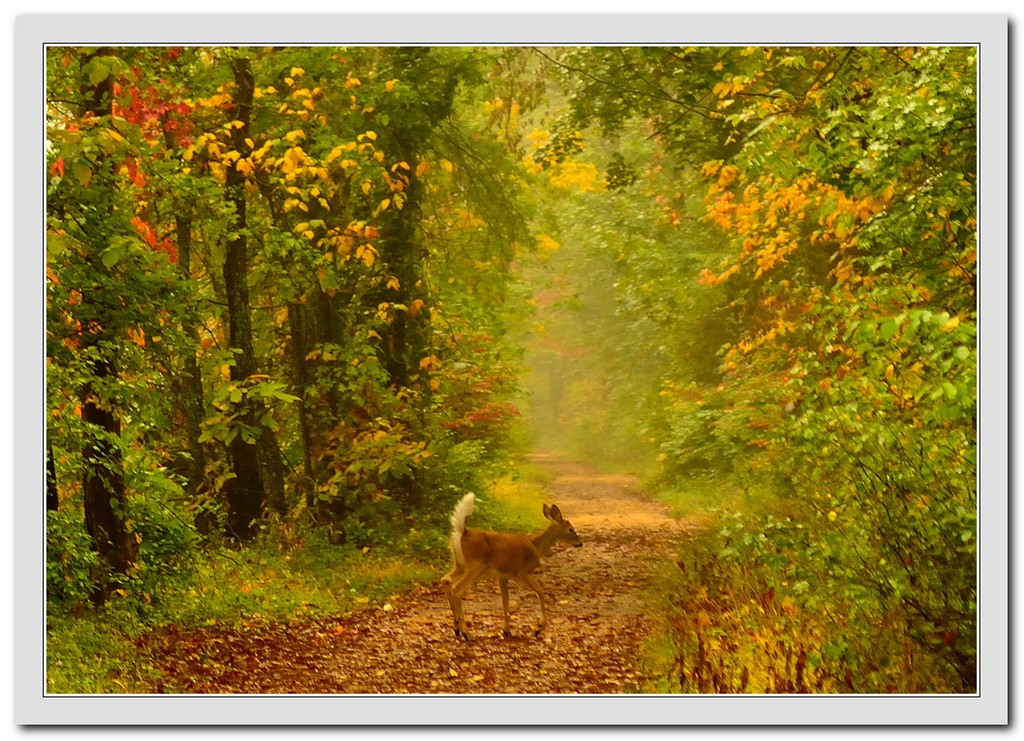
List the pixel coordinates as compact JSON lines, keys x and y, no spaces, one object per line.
{"x":769,"y":217}
{"x":731,"y":86}
{"x":564,"y":173}
{"x":310,"y":181}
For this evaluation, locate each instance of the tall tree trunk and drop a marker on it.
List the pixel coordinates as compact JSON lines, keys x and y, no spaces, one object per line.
{"x":401,"y":249}
{"x":105,"y":500}
{"x":406,"y":340}
{"x":192,"y":378}
{"x":408,"y":135}
{"x":190,"y":386}
{"x":257,"y":464}
{"x":300,"y":380}
{"x":272,"y":469}
{"x":52,"y":501}
{"x":103,"y":488}
{"x":245,"y":492}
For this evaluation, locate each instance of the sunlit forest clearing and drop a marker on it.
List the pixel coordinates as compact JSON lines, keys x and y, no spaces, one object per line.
{"x":717,"y":304}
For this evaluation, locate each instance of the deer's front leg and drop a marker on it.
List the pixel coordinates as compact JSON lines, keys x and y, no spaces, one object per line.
{"x":530,"y":581}
{"x":503,"y":585}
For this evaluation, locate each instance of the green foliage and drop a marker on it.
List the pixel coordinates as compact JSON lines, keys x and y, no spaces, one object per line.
{"x":751,"y":610}
{"x":229,"y":401}
{"x":378,"y":384}
{"x":880,"y":378}
{"x":70,"y":561}
{"x":842,"y":184}
{"x":85,"y":655}
{"x":747,"y":273}
{"x":167,"y":556}
{"x":169,"y":545}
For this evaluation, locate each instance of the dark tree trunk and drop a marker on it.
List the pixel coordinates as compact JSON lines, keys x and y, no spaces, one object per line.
{"x":190,"y":385}
{"x":300,"y":380}
{"x":103,"y":487}
{"x":272,"y":470}
{"x":408,"y":133}
{"x":192,"y":377}
{"x":404,"y":342}
{"x":52,"y":501}
{"x":245,"y":493}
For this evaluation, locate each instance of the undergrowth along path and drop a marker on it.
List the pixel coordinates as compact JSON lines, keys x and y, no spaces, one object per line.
{"x":599,"y":617}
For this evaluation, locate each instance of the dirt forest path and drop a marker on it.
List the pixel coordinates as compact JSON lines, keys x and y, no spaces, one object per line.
{"x":597,"y":620}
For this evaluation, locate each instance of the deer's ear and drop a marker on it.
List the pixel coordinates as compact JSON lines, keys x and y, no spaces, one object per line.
{"x":547,"y":512}
{"x":555,"y":513}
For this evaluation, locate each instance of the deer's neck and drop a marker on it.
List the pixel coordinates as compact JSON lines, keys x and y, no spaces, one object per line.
{"x":543,"y":541}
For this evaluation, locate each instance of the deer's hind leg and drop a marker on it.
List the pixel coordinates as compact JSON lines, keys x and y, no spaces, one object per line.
{"x":470,"y":575}
{"x":446,"y":583}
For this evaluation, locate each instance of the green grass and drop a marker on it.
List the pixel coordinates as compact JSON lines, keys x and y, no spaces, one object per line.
{"x":276,"y":579}
{"x":314,"y":578}
{"x":95,"y":654}
{"x":710,"y":497}
{"x":95,"y":651}
{"x":698,"y":497}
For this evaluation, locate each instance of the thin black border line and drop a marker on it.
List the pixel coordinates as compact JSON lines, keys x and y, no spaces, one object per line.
{"x":979,"y":601}
{"x":977,"y":446}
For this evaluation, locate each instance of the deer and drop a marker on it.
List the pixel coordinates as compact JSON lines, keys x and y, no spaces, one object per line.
{"x":482,"y":554}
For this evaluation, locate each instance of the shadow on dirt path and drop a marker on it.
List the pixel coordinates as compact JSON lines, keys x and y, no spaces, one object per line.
{"x":592,"y":644}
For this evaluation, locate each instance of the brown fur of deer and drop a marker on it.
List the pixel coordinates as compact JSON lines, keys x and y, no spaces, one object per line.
{"x":481,"y":554}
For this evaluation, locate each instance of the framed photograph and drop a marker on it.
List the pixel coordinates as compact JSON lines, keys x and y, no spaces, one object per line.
{"x":501,"y":370}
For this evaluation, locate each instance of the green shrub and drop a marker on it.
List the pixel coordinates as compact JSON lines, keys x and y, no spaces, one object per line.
{"x":71,"y":562}
{"x":763,"y":605}
{"x":169,"y":545}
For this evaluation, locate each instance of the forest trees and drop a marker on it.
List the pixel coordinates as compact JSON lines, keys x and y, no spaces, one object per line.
{"x":93,"y":223}
{"x":280,"y":285}
{"x":246,"y":315}
{"x":831,"y":193}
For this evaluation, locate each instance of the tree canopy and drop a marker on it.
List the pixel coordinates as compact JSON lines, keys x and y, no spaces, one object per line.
{"x":335,"y":288}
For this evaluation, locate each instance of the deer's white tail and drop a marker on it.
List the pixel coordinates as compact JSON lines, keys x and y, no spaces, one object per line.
{"x":462,"y":510}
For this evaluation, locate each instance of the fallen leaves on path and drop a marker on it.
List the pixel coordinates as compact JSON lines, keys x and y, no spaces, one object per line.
{"x":592,"y":644}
